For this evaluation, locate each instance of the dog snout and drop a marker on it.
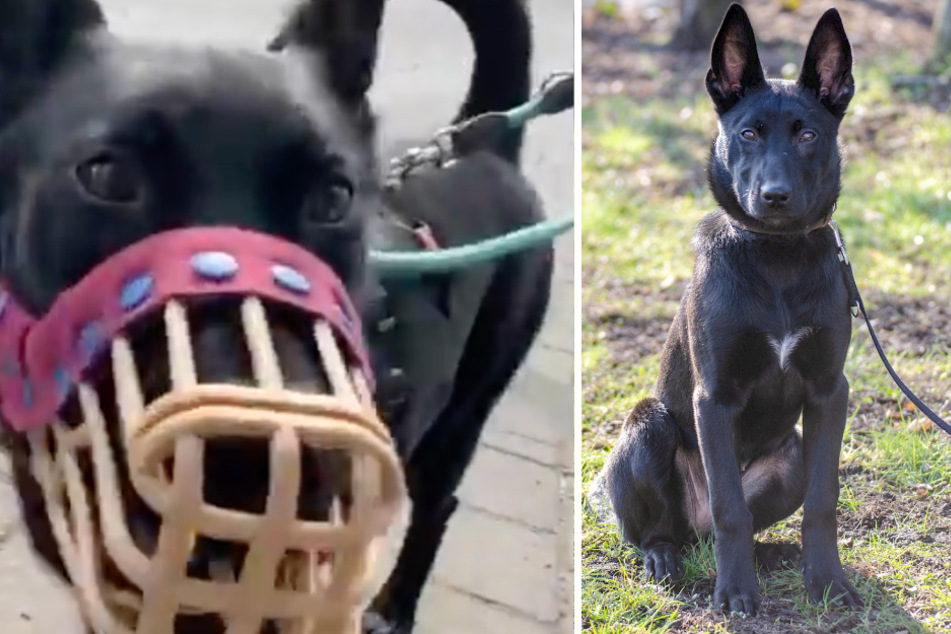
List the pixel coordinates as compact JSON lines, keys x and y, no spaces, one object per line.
{"x":236,"y":470}
{"x":776,"y":194}
{"x":223,"y":351}
{"x":215,"y":559}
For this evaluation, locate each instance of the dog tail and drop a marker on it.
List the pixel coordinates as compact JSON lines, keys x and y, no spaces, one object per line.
{"x":501,"y":33}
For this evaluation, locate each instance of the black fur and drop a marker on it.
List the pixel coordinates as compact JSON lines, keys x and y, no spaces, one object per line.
{"x":759,"y":340}
{"x":103,"y":142}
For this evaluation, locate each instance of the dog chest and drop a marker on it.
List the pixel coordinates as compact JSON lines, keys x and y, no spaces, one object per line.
{"x":784,"y":346}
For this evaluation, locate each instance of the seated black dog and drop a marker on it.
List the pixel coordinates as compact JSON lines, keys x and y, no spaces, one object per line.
{"x":759,"y":340}
{"x":105,"y":142}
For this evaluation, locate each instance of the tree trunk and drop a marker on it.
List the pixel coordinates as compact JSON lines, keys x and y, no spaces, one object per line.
{"x":942,"y":34}
{"x":699,"y":21}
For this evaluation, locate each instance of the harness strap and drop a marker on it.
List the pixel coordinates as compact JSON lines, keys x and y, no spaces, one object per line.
{"x":858,"y":307}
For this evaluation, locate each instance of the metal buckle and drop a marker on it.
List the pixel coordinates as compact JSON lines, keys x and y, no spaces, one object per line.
{"x":844,"y":258}
{"x":438,"y":152}
{"x":838,"y":243}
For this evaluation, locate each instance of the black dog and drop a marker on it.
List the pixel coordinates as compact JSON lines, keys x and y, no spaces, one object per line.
{"x":104,"y":142}
{"x":760,"y":338}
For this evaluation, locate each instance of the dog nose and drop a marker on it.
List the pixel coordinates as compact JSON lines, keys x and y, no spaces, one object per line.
{"x":775,"y":194}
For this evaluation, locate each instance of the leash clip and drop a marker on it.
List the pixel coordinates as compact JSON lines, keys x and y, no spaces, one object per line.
{"x":484,"y":131}
{"x":838,"y":243}
{"x":438,"y":152}
{"x":844,"y":258}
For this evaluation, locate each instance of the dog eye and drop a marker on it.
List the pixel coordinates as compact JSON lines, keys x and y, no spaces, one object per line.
{"x":748,"y":134}
{"x":110,"y":179}
{"x":807,"y":136}
{"x":329,"y":201}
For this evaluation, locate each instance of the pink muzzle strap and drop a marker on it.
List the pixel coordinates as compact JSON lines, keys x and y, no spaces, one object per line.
{"x":43,"y":359}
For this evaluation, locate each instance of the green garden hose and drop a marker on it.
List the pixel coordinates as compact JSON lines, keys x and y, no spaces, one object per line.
{"x":390,"y":264}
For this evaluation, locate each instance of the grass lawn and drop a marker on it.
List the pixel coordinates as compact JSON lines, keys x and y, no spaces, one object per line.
{"x":644,"y":192}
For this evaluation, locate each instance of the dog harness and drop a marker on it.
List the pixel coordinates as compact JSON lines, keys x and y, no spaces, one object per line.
{"x":304,"y":576}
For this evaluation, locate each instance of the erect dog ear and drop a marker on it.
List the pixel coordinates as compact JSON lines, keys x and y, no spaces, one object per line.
{"x":734,"y":62}
{"x":35,"y":37}
{"x":344,"y":34}
{"x":827,"y":69}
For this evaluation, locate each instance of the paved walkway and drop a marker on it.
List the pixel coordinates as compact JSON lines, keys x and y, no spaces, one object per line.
{"x":506,"y":565}
{"x":507,"y":561}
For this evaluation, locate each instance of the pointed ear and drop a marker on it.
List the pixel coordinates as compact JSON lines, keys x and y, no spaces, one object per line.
{"x":35,"y":37}
{"x":734,"y":62}
{"x":827,"y":69}
{"x":344,"y":34}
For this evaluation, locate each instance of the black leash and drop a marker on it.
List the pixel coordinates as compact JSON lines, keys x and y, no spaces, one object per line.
{"x":858,"y":307}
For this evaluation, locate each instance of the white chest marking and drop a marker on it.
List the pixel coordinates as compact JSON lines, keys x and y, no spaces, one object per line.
{"x":784,"y":348}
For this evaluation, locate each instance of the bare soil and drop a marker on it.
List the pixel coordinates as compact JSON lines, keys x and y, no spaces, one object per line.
{"x":628,"y":54}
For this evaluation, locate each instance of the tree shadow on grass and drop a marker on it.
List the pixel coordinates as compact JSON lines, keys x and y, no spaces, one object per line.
{"x":784,"y":608}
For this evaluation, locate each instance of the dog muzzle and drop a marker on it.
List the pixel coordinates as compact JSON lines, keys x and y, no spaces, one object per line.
{"x":302,"y":576}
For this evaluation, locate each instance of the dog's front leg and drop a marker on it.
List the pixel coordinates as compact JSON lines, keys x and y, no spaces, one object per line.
{"x":737,"y":589}
{"x":823,"y":423}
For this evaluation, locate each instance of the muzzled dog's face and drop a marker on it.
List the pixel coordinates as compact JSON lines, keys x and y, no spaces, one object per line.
{"x":105,"y":145}
{"x":775,"y":164}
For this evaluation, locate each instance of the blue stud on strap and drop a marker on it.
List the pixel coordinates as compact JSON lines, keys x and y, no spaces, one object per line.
{"x":27,"y":393}
{"x":216,"y":266}
{"x":90,"y":338}
{"x":136,"y":291}
{"x":290,"y":279}
{"x":61,"y":377}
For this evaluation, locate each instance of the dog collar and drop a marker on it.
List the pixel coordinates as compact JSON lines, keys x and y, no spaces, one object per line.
{"x":42,"y":359}
{"x":819,"y":225}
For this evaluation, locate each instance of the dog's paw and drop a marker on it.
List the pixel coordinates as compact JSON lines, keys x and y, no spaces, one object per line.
{"x":735,"y":597}
{"x":832,"y":588}
{"x":771,"y":557}
{"x":664,"y":563}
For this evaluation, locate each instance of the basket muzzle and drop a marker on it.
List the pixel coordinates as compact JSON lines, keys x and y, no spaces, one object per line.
{"x":298,"y":575}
